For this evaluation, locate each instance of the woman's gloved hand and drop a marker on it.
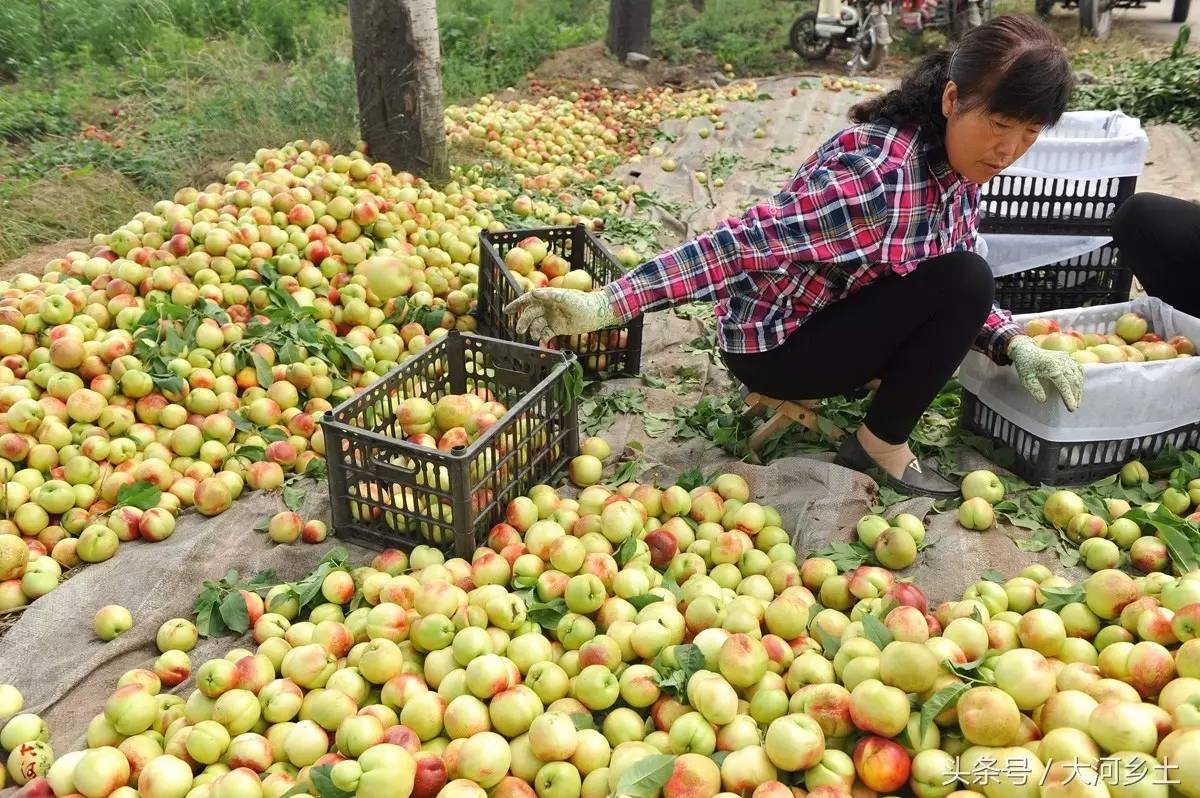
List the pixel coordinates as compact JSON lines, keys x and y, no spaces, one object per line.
{"x":1035,"y":364}
{"x":548,"y":312}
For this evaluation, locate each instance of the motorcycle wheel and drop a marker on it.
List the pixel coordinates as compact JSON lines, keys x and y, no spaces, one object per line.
{"x":869,"y":55}
{"x":803,"y":39}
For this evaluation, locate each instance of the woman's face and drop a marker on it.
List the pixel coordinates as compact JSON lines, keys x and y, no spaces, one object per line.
{"x":980,"y":144}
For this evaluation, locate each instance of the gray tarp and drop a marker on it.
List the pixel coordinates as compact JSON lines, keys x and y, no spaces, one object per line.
{"x":66,"y":674}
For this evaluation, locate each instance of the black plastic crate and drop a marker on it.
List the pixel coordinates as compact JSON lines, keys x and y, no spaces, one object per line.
{"x":1094,"y":278}
{"x":615,"y":350}
{"x":1041,"y":461}
{"x":1052,"y":206}
{"x":386,"y":492}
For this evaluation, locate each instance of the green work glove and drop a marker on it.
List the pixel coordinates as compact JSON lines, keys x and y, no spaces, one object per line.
{"x":548,"y":312}
{"x":1035,"y":364}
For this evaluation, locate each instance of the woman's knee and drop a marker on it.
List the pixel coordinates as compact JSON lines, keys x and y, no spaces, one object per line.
{"x":969,"y":278}
{"x":1136,"y":216}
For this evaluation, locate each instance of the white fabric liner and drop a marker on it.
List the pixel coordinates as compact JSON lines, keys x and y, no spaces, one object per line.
{"x":1086,"y":145}
{"x":1011,"y":253}
{"x":1120,"y":400}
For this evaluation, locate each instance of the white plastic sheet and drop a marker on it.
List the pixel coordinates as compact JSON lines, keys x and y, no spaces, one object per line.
{"x":1120,"y":400}
{"x":1010,"y":253}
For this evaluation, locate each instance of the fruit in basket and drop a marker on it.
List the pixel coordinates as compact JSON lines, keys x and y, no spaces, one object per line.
{"x":1131,"y":327}
{"x":1062,"y":342}
{"x":1183,"y":345}
{"x":111,"y":621}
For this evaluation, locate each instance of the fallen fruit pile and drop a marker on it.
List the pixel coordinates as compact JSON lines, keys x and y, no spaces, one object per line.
{"x":650,"y":642}
{"x":193,"y":351}
{"x":1129,"y":342}
{"x":555,"y":141}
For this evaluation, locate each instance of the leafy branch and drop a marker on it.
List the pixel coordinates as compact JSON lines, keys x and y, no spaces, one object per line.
{"x":221,"y":608}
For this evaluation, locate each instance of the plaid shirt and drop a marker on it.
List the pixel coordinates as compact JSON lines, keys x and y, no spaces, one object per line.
{"x":872,"y":202}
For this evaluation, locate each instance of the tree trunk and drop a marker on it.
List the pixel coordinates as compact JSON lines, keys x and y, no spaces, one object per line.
{"x":397,"y":61}
{"x":629,"y":27}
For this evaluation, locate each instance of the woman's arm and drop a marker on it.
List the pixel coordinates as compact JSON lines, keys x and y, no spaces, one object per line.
{"x":837,"y":214}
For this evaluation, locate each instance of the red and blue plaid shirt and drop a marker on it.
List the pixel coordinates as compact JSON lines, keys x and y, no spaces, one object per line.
{"x":873,"y":201}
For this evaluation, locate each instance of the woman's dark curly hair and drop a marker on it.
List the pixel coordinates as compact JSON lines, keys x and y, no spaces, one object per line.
{"x":1012,"y":65}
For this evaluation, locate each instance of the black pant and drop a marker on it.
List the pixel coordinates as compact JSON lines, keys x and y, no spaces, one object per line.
{"x":1159,"y":238}
{"x":910,"y":332}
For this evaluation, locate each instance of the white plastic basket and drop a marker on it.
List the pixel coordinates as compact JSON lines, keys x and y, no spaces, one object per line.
{"x":1120,"y":400}
{"x":1086,"y":145}
{"x":1071,"y":180}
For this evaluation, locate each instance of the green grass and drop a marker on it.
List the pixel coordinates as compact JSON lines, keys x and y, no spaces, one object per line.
{"x":491,"y":44}
{"x":751,"y":35}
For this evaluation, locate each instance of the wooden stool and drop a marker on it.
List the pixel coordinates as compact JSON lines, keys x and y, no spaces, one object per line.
{"x":786,"y":413}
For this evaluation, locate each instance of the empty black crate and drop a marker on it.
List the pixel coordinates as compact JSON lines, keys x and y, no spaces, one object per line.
{"x":1059,"y":206}
{"x":615,"y":350}
{"x":1038,"y":460}
{"x":1094,"y":278}
{"x":389,"y":493}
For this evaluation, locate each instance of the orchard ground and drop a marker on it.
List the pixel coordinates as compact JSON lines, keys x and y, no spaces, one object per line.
{"x":819,"y":501}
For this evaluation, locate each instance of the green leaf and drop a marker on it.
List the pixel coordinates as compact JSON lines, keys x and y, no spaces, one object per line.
{"x":626,"y":551}
{"x":262,"y":370}
{"x":992,"y":575}
{"x":719,"y":757}
{"x":673,"y":678}
{"x":324,"y":785}
{"x":672,"y":584}
{"x":240,"y":423}
{"x":263,"y":525}
{"x":1181,"y":538}
{"x":658,"y":424}
{"x":875,"y":631}
{"x":289,"y":353}
{"x":968,"y":671}
{"x":208,"y":620}
{"x":167,"y":383}
{"x":141,"y":495}
{"x":548,"y":614}
{"x":639,"y":602}
{"x":272,"y":434}
{"x":691,"y":479}
{"x":255,"y":454}
{"x":317,"y":469}
{"x":846,"y":556}
{"x":627,"y":471}
{"x":829,"y":643}
{"x":582,"y":720}
{"x":939,"y":702}
{"x":1040,"y":541}
{"x":645,"y":778}
{"x":234,"y":613}
{"x":293,"y":497}
{"x":524,"y":582}
{"x":1059,"y":597}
